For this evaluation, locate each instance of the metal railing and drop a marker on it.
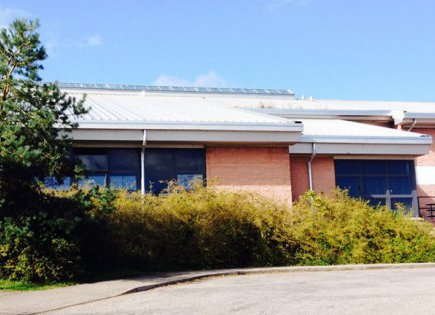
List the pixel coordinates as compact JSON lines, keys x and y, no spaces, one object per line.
{"x":427,"y":204}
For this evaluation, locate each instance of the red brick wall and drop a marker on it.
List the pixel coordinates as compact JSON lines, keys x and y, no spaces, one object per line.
{"x":262,"y":169}
{"x":323,"y":175}
{"x":428,"y":159}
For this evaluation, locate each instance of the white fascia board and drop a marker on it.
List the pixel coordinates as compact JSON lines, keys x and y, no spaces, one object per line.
{"x":223,"y":136}
{"x":426,"y":139}
{"x":289,"y":127}
{"x":361,"y":149}
{"x":106,"y":135}
{"x":419,"y":115}
{"x":418,"y":119}
{"x":381,"y":115}
{"x":192,"y":136}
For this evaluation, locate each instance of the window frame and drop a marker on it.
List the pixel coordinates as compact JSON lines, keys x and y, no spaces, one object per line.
{"x":388,"y":195}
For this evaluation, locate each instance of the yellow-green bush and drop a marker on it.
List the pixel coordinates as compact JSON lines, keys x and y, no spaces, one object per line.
{"x":81,"y":233}
{"x":207,"y":228}
{"x":342,"y":230}
{"x":200,"y":229}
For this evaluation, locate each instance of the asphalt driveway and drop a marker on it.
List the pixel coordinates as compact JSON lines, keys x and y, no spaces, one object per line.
{"x":401,"y":291}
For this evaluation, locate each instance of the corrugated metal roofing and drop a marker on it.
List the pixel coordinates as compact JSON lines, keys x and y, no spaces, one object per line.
{"x":268,"y":99}
{"x":341,"y":131}
{"x":122,"y":107}
{"x":347,"y":105}
{"x":177,"y":109}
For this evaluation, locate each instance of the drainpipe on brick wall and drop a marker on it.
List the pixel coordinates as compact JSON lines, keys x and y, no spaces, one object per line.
{"x":142,"y":163}
{"x":310,"y":168}
{"x":413,"y":124}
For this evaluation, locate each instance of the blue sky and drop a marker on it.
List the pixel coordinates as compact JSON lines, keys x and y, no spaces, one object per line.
{"x":332,"y":49}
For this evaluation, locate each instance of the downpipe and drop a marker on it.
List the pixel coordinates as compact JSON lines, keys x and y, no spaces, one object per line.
{"x":310,"y":168}
{"x":413,"y":124}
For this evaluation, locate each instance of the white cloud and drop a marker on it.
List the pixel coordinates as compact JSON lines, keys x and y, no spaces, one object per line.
{"x":278,"y":4}
{"x":84,"y":42}
{"x":171,"y":80}
{"x":93,"y":41}
{"x":88,"y":41}
{"x":7,"y":15}
{"x":209,"y":79}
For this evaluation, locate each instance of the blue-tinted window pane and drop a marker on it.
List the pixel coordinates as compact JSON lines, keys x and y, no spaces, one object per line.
{"x":124,"y":160}
{"x":189,"y":160}
{"x":374,"y":202}
{"x":188,"y":180}
{"x":128,"y":182}
{"x":401,"y":185}
{"x":94,"y":162}
{"x":93,"y":180}
{"x":163,"y":165}
{"x":159,"y":161}
{"x":352,"y":183}
{"x":373,"y":167}
{"x":400,"y":167}
{"x":51,"y":182}
{"x":343,"y":167}
{"x":374,"y":185}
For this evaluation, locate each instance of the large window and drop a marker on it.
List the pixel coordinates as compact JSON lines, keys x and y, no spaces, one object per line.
{"x":96,"y":165}
{"x":51,"y":182}
{"x":115,"y":168}
{"x":163,"y":165}
{"x":120,"y":168}
{"x":385,"y":182}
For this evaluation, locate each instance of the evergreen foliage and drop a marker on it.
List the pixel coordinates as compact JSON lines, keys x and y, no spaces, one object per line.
{"x":37,"y":230}
{"x":33,"y":116}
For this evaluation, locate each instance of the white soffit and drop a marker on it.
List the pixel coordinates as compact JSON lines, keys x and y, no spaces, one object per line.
{"x":187,"y":136}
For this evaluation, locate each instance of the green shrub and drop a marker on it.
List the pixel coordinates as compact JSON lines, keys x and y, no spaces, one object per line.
{"x":208,"y":228}
{"x":79,"y":233}
{"x":203,"y":228}
{"x":56,"y":237}
{"x":343,"y":230}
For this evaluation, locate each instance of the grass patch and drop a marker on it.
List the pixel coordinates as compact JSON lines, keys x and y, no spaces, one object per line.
{"x":9,"y":285}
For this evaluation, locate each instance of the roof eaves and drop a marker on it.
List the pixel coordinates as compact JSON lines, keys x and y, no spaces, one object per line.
{"x":422,"y":139}
{"x":288,"y":126}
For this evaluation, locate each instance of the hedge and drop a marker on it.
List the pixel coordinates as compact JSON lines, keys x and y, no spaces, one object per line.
{"x":77,"y":234}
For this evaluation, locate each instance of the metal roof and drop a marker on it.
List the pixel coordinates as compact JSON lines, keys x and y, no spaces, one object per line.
{"x":177,"y":89}
{"x":340,"y":137}
{"x":134,"y":110}
{"x":341,"y":131}
{"x":348,"y":105}
{"x":211,"y":116}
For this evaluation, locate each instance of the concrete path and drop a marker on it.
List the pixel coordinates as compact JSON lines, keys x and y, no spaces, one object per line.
{"x":361,"y":292}
{"x":57,"y":299}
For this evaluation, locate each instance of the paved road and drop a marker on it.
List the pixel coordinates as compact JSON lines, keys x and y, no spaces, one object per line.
{"x":409,"y":291}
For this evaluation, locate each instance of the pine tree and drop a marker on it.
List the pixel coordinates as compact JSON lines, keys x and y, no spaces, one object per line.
{"x":33,"y":119}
